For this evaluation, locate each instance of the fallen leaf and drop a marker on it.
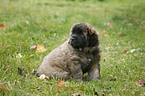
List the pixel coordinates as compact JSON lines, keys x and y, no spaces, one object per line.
{"x":58,"y":81}
{"x":109,"y":25}
{"x":136,"y":83}
{"x":121,"y":34}
{"x":132,"y":50}
{"x":140,"y":68}
{"x":42,"y":76}
{"x":31,"y":55}
{"x":105,"y":33}
{"x":1,"y":25}
{"x":60,"y":84}
{"x":34,"y":47}
{"x":141,"y":82}
{"x":47,"y":78}
{"x":40,"y":48}
{"x":76,"y":94}
{"x":22,"y":42}
{"x":19,"y":55}
{"x":39,"y":87}
{"x":125,"y":50}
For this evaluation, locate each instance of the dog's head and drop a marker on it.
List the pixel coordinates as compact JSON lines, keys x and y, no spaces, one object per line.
{"x":83,"y":35}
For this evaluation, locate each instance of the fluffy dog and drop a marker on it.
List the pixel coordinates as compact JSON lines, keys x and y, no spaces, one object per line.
{"x":78,"y":55}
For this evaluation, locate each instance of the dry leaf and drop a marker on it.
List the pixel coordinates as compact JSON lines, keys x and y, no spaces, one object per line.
{"x":121,"y":34}
{"x":105,"y":33}
{"x":76,"y":94}
{"x":137,"y":84}
{"x":47,"y":78}
{"x":141,"y":82}
{"x":42,"y":76}
{"x":39,"y":87}
{"x":34,"y":47}
{"x":58,"y":81}
{"x":109,"y":25}
{"x":1,"y":25}
{"x":22,"y":42}
{"x":31,"y":55}
{"x":60,"y":84}
{"x":125,"y":50}
{"x":40,"y":48}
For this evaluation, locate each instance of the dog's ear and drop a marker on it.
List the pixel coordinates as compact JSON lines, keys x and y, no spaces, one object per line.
{"x":92,"y":35}
{"x":93,"y":40}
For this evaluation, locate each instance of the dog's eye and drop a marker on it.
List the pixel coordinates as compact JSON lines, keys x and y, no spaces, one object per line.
{"x":81,"y":33}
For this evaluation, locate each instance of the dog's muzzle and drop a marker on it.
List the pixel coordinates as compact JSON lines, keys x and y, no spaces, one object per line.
{"x":77,"y":41}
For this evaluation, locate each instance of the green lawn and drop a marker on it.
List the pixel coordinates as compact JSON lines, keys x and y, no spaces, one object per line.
{"x":25,"y":23}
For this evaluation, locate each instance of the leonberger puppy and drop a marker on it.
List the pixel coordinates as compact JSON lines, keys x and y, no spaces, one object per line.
{"x":78,"y":55}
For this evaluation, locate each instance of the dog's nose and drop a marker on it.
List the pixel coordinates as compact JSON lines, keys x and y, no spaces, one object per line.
{"x":73,"y":38}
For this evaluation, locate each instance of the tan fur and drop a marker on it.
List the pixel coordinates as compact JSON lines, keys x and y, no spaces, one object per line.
{"x":67,"y":62}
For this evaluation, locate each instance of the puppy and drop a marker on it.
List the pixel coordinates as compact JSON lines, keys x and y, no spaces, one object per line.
{"x":78,"y":55}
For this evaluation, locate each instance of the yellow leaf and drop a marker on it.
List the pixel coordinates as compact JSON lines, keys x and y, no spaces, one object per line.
{"x":40,"y":48}
{"x":60,"y":84}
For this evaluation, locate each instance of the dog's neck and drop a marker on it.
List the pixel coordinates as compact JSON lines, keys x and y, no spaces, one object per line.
{"x":87,"y":49}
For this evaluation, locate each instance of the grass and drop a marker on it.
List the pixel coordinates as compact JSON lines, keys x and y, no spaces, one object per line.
{"x":30,"y":22}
